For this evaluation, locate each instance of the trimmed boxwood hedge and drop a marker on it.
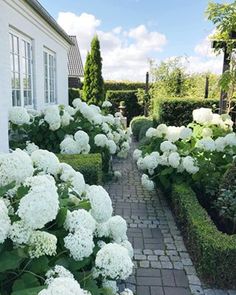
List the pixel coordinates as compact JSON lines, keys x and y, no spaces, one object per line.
{"x":89,"y":165}
{"x":178,"y":112}
{"x":137,"y":123}
{"x":213,"y":252}
{"x":130,"y":99}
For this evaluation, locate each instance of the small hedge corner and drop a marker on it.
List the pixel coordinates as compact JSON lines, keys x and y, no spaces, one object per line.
{"x":89,"y":165}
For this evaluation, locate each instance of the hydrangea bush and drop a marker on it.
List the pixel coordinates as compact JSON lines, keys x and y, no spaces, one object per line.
{"x":198,"y":154}
{"x":57,"y":234}
{"x":80,"y":129}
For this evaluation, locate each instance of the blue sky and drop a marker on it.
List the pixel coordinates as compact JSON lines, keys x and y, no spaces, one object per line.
{"x":180,"y":25}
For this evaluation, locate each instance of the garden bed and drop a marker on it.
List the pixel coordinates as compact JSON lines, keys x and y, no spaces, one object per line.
{"x":213,"y":252}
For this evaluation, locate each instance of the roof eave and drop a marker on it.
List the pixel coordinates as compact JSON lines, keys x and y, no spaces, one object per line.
{"x":49,"y":19}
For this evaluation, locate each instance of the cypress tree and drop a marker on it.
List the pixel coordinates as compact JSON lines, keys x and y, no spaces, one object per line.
{"x":95,"y":74}
{"x":87,"y":82}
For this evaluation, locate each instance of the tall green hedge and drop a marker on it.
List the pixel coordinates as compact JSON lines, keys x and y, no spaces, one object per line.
{"x":130,"y":99}
{"x":213,"y":252}
{"x":178,"y":111}
{"x":89,"y":165}
{"x":113,"y":85}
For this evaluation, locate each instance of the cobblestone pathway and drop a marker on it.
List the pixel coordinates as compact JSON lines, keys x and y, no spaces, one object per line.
{"x":162,"y":263}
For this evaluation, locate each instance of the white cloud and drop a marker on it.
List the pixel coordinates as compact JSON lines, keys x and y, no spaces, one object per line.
{"x":125,"y":53}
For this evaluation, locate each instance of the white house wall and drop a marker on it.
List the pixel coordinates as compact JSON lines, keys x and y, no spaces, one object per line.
{"x":18,"y":15}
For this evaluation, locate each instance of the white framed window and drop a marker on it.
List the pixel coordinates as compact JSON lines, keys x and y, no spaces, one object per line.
{"x":49,"y":59}
{"x":21,"y":69}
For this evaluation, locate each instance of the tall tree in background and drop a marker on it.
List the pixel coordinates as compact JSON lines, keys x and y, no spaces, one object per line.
{"x":93,"y":90}
{"x":87,"y":93}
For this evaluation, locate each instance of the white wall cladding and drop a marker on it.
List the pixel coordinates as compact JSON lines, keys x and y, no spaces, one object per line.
{"x":18,"y":15}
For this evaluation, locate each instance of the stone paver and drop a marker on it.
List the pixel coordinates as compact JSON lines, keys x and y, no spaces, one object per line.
{"x":162,"y":263}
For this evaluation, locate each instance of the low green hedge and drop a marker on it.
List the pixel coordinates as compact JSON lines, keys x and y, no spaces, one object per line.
{"x":89,"y":165}
{"x":130,"y":99}
{"x":178,"y":112}
{"x":137,"y":123}
{"x":213,"y":252}
{"x":114,"y":85}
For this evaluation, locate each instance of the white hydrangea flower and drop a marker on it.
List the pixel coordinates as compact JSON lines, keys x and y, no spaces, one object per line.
{"x":113,"y":261}
{"x":79,"y":218}
{"x":101,"y":205}
{"x":129,"y":247}
{"x":62,"y":286}
{"x":173,"y":133}
{"x":167,"y":146}
{"x":58,"y":272}
{"x":20,"y":233}
{"x":107,"y":130}
{"x":66,"y":118}
{"x":150,"y":162}
{"x":137,"y":154}
{"x":70,"y":110}
{"x":127,"y":292}
{"x":41,"y":204}
{"x":230,"y":139}
{"x":106,"y":104}
{"x":102,"y":230}
{"x":46,"y":161}
{"x":81,"y":137}
{"x":4,"y":221}
{"x":15,"y":167}
{"x":206,"y":144}
{"x":162,"y":129}
{"x":189,"y":165}
{"x":174,"y":159}
{"x":152,"y":132}
{"x":117,"y":174}
{"x":147,"y":183}
{"x":69,"y":146}
{"x":220,"y":144}
{"x":185,"y":133}
{"x":52,"y":117}
{"x":207,"y":132}
{"x":80,"y":244}
{"x":203,"y":115}
{"x":111,"y":146}
{"x":116,"y":136}
{"x":76,"y":102}
{"x":19,"y":116}
{"x":111,"y":285}
{"x":42,"y":243}
{"x":75,"y":178}
{"x":100,"y":140}
{"x":118,"y":228}
{"x":30,"y":147}
{"x":164,"y":159}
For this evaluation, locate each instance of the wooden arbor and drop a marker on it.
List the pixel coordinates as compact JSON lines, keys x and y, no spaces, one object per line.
{"x":226,"y":66}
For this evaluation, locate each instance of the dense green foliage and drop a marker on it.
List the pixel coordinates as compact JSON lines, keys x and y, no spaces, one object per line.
{"x":138,"y":123}
{"x":115,"y":85}
{"x":178,"y":111}
{"x":130,"y":100}
{"x":89,"y":165}
{"x":145,"y":126}
{"x":73,"y":94}
{"x":93,"y":87}
{"x":214,"y":253}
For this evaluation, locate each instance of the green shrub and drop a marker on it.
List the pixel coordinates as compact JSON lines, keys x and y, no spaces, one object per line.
{"x":145,"y":126}
{"x":73,"y":93}
{"x":89,"y":165}
{"x":214,"y":252}
{"x":178,"y":112}
{"x":136,"y":125}
{"x":130,"y":99}
{"x":113,"y":85}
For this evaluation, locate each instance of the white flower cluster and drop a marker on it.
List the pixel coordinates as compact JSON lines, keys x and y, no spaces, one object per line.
{"x":56,"y":117}
{"x":45,"y":161}
{"x":170,"y":133}
{"x":42,"y":243}
{"x":77,"y":144}
{"x":101,"y":140}
{"x":30,"y":147}
{"x":113,"y":261}
{"x":4,"y":221}
{"x":147,"y":183}
{"x":19,"y":116}
{"x":205,"y":116}
{"x":106,"y":104}
{"x":15,"y":167}
{"x":219,"y":144}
